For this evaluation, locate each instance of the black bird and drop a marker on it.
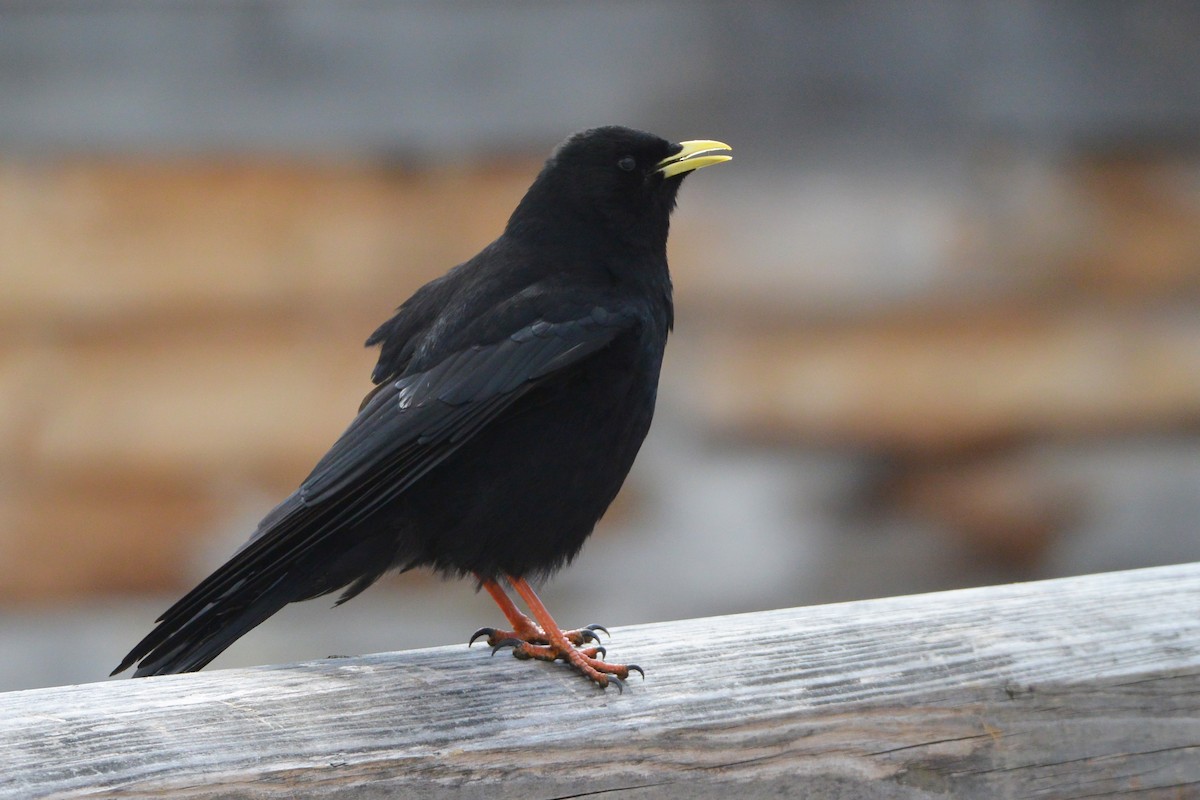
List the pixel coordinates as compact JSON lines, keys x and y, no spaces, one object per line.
{"x":512,"y":396}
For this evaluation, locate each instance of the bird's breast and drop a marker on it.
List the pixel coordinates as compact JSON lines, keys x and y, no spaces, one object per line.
{"x":524,"y":493}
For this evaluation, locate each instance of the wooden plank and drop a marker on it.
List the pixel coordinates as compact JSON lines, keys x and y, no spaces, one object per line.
{"x":103,"y":242}
{"x":956,"y":380}
{"x":1072,"y":688}
{"x":107,"y":536}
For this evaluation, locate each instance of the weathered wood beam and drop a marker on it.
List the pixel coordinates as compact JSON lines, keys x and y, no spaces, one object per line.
{"x":1071,"y":688}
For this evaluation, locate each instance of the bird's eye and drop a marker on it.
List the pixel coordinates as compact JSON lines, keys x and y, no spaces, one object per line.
{"x":627,"y":164}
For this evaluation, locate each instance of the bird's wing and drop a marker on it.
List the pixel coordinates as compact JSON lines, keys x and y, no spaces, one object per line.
{"x":414,"y":422}
{"x":403,"y":431}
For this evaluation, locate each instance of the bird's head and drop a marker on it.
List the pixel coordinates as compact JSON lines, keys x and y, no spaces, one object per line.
{"x":615,"y":180}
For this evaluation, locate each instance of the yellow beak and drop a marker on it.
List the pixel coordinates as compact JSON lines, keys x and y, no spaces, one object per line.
{"x":694,"y":155}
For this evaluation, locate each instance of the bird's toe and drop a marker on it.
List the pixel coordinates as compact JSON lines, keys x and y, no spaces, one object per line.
{"x":513,"y":643}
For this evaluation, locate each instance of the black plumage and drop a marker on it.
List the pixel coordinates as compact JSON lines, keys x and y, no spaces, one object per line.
{"x":512,"y":396}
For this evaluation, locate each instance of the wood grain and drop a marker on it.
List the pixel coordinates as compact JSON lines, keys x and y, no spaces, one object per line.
{"x":1073,"y":688}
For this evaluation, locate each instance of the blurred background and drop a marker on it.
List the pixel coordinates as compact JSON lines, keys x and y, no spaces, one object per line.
{"x":937,"y":323}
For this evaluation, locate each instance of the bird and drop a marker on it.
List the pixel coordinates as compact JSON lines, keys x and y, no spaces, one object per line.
{"x":511,"y":396}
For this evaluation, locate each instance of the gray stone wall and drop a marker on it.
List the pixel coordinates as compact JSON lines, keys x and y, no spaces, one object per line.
{"x":426,"y":78}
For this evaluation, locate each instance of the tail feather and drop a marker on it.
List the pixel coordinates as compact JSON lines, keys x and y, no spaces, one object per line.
{"x":242,"y":593}
{"x":186,"y":645}
{"x":262,"y":577}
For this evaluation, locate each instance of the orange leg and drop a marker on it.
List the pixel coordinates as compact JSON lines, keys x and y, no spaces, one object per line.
{"x":559,"y":647}
{"x":525,"y":629}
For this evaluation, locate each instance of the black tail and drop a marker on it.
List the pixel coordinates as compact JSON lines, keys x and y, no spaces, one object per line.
{"x":251,"y":586}
{"x":288,"y":559}
{"x":186,"y":642}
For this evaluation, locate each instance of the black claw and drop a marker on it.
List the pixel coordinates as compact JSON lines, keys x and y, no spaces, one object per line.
{"x":632,"y":667}
{"x":586,"y":635}
{"x":506,"y":643}
{"x":488,"y":632}
{"x":620,"y":684}
{"x":595,"y":627}
{"x":601,"y":652}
